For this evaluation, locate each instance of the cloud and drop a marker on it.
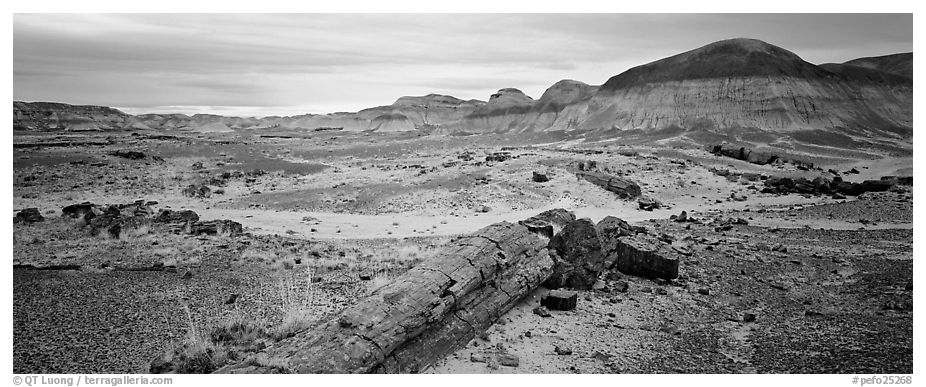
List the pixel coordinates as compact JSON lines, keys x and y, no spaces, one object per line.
{"x":351,"y":61}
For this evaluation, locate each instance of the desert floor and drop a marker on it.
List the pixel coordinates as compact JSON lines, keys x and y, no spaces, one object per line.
{"x":829,"y":281}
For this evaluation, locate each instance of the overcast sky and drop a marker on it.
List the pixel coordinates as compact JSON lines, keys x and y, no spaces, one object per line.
{"x":292,"y":64}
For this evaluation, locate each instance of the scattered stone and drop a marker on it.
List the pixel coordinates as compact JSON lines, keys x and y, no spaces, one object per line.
{"x":704,"y":291}
{"x":648,"y":204}
{"x":197,"y":191}
{"x":476,"y":357}
{"x":562,"y":349}
{"x":187,"y":275}
{"x":622,"y":286}
{"x":498,"y":157}
{"x":749,"y":317}
{"x":232,"y":298}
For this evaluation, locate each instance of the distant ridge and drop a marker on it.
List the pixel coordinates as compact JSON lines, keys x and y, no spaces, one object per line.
{"x":899,"y":64}
{"x":717,"y":91}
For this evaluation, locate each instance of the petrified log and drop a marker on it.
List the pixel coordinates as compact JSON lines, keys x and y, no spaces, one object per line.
{"x":624,"y":188}
{"x":430,"y":311}
{"x":610,"y":230}
{"x":560,"y":300}
{"x":645,"y":256}
{"x":745,"y":154}
{"x":78,"y":210}
{"x":215,"y":227}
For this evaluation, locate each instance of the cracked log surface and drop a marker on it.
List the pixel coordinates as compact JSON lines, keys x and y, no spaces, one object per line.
{"x":428,"y":312}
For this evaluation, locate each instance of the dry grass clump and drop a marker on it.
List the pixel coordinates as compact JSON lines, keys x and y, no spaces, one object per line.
{"x":210,"y":345}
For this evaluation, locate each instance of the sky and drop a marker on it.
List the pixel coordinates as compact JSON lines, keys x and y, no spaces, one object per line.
{"x":288,"y":64}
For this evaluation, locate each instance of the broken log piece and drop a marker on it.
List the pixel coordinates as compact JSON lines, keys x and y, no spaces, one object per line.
{"x":548,"y":222}
{"x":577,"y":252}
{"x":430,"y":311}
{"x":645,"y":256}
{"x":214,"y":227}
{"x":624,"y":188}
{"x":171,"y":216}
{"x":560,"y":300}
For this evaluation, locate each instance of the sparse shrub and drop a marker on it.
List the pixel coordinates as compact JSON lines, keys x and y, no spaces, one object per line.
{"x":255,"y":255}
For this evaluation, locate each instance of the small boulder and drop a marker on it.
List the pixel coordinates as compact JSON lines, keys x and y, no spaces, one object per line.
{"x":540,"y":177}
{"x":542,"y":312}
{"x":508,"y":360}
{"x":648,"y":204}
